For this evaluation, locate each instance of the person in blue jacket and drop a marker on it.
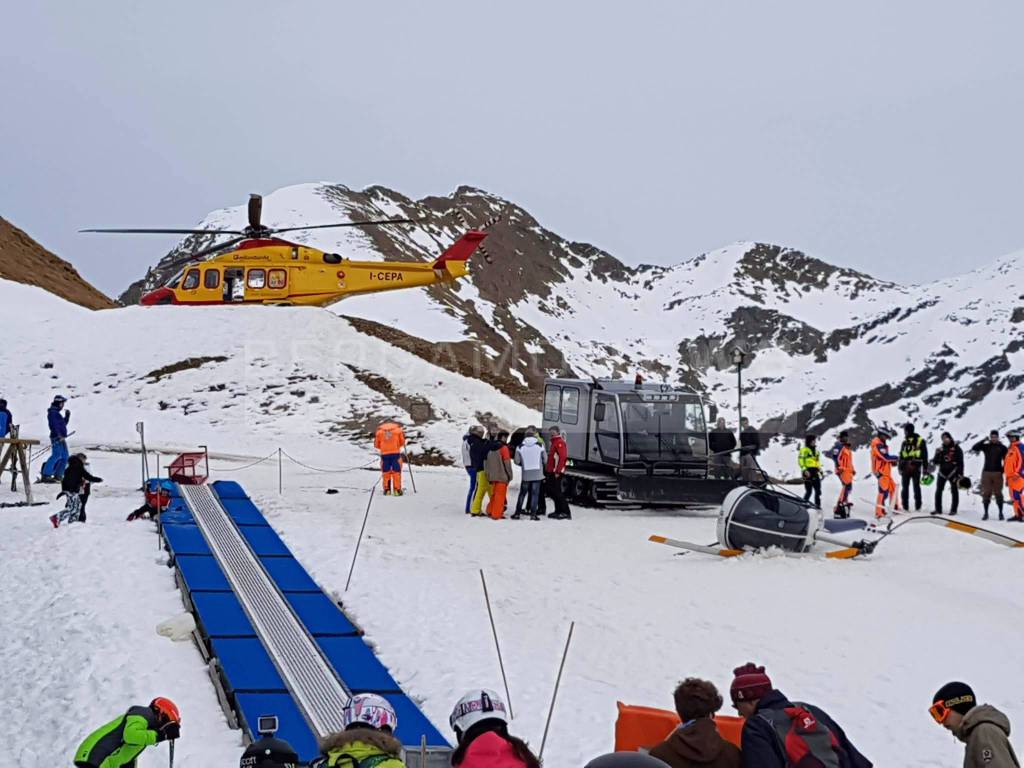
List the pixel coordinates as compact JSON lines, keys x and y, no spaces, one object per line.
{"x":6,"y":419}
{"x":53,"y":469}
{"x":779,"y":732}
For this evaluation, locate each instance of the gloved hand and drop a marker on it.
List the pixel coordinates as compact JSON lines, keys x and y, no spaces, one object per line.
{"x":168,"y":731}
{"x":96,"y":480}
{"x":67,"y":414}
{"x":807,"y":475}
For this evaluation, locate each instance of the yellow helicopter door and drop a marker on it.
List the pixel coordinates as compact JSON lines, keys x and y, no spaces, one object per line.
{"x":266,"y":284}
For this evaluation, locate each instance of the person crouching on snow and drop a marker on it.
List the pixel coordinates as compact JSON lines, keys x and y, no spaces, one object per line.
{"x":368,"y":739}
{"x":75,"y":489}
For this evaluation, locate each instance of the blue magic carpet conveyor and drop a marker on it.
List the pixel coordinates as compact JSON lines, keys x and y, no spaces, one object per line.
{"x":277,"y":643}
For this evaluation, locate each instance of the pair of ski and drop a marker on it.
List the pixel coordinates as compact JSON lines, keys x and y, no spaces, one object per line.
{"x":846,"y":553}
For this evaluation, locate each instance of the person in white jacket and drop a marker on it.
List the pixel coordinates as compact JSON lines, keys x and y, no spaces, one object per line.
{"x":531,"y":456}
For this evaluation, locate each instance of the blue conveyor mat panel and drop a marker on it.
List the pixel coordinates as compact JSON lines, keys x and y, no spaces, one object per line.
{"x":292,"y":725}
{"x":252,"y":680}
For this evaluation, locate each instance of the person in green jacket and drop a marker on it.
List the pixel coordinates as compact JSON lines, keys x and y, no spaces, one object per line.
{"x":118,"y":743}
{"x":368,"y":740}
{"x":809,"y":460}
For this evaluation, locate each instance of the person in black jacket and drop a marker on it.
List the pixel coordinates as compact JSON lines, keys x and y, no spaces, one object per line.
{"x":750,"y":449}
{"x":772,"y":721}
{"x":949,"y":461}
{"x":913,"y":457}
{"x":74,"y":485}
{"x":992,"y":473}
{"x":722,"y":440}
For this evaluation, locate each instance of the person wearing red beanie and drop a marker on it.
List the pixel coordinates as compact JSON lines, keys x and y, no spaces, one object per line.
{"x":779,"y":732}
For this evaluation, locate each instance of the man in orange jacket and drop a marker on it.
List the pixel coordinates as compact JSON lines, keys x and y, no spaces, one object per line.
{"x":881,"y":467}
{"x":1013,"y":470}
{"x":843,"y":455}
{"x":390,"y":441}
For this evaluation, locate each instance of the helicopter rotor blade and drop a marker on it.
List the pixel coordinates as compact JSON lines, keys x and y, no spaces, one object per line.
{"x":255,"y":210}
{"x":166,"y":231}
{"x":377,"y":223}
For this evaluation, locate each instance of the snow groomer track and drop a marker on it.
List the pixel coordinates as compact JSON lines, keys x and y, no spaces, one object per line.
{"x":276,"y":644}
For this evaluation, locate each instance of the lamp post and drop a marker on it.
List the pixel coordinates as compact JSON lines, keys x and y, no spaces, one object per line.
{"x":738,"y":356}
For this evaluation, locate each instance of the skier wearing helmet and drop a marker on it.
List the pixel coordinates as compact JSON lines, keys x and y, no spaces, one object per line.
{"x":53,"y":467}
{"x":368,"y":739}
{"x":122,"y":740}
{"x":480,"y":722}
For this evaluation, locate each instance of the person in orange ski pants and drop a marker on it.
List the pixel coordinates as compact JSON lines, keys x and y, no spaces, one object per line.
{"x":881,"y":467}
{"x":843,"y":455}
{"x":390,"y":441}
{"x":1013,"y":471}
{"x":499,"y":474}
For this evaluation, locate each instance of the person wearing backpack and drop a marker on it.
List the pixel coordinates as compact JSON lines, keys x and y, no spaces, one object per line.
{"x":368,"y":739}
{"x":779,"y":733}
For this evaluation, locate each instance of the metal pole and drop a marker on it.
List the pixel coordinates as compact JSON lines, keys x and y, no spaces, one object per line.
{"x":171,"y":763}
{"x":423,"y":750}
{"x":554,"y":695}
{"x":497,"y":645}
{"x":360,"y":539}
{"x":739,"y":400}
{"x":412,"y":479}
{"x":280,"y":481}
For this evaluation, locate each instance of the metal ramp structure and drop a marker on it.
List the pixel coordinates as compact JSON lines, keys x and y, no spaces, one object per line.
{"x":276,"y":644}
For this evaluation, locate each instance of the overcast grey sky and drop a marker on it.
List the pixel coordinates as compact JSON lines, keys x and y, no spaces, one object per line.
{"x":882,"y":134}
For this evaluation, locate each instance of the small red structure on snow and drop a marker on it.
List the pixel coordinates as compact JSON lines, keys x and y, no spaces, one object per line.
{"x":190,"y":468}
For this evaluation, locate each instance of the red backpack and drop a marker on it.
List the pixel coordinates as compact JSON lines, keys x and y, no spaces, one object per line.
{"x":806,"y":742}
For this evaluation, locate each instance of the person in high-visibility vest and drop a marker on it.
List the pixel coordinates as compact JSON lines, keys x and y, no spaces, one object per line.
{"x":809,"y":460}
{"x":1013,"y":470}
{"x":881,"y":467}
{"x":390,"y":441}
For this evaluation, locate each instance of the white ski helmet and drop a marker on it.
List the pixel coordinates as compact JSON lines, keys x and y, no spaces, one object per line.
{"x":476,"y":706}
{"x":372,"y":710}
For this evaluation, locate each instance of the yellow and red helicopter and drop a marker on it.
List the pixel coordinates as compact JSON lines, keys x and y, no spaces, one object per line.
{"x":257,"y":267}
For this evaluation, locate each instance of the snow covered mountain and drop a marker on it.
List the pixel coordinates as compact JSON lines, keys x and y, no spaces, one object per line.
{"x":827,"y":346}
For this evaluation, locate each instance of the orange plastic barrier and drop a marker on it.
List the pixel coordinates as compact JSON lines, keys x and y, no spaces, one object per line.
{"x":646,"y":726}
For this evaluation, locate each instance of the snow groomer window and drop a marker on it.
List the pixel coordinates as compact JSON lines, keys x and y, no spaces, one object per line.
{"x":570,"y":405}
{"x":552,"y":401}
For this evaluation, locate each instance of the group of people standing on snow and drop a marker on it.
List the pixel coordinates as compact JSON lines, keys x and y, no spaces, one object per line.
{"x":1003,"y":465}
{"x":489,"y":459}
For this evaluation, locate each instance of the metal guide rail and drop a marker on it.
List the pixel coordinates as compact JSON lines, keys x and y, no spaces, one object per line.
{"x":310,"y":678}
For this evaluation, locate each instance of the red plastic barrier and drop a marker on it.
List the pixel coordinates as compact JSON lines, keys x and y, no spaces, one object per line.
{"x":646,"y":726}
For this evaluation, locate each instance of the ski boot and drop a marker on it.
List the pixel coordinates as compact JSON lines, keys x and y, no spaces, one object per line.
{"x":54,"y":521}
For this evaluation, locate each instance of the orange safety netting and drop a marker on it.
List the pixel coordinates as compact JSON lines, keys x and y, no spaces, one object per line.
{"x":646,"y":726}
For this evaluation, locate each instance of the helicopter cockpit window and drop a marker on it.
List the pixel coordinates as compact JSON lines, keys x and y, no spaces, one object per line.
{"x":257,"y":278}
{"x":191,"y":280}
{"x":174,"y":281}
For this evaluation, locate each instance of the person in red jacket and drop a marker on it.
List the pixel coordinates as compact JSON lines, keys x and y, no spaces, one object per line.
{"x":558,"y":454}
{"x":480,"y":722}
{"x":1013,"y":470}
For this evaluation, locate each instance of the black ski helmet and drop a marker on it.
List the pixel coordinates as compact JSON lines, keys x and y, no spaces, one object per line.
{"x":626,"y":760}
{"x":269,"y":752}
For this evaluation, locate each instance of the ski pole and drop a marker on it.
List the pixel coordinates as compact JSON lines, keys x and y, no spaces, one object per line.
{"x":554,"y":695}
{"x":412,"y":478}
{"x":497,"y":645}
{"x":171,"y":756}
{"x":362,"y":530}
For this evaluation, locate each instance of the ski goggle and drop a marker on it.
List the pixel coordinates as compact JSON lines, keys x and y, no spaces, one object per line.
{"x":939,"y":712}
